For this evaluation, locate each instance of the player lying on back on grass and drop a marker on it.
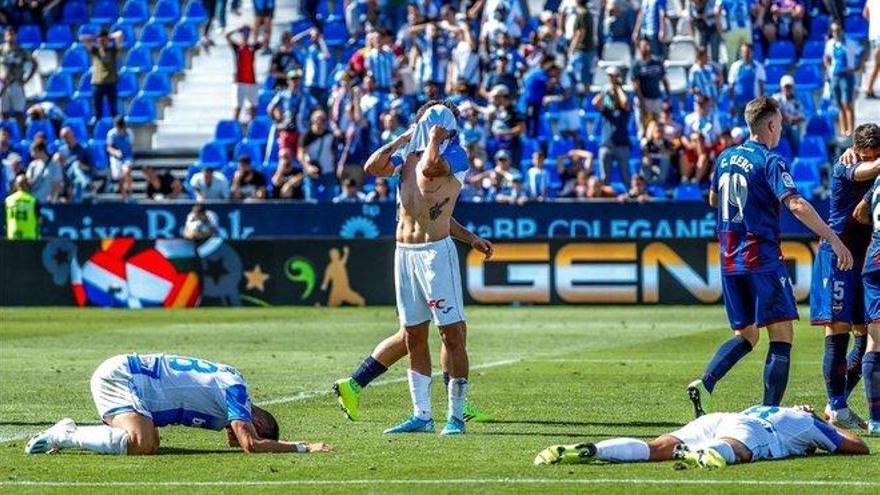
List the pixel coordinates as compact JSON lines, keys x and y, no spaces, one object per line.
{"x":393,"y":349}
{"x":137,"y":394}
{"x":715,"y":440}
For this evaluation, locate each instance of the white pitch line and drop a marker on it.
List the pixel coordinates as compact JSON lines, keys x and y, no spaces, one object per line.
{"x":638,"y":361}
{"x":311,"y":394}
{"x":474,"y":481}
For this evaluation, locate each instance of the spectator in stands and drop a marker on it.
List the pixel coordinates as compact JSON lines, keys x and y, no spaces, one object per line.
{"x":432,"y":55}
{"x":705,"y":78}
{"x":465,"y":59}
{"x":247,"y":183}
{"x":283,"y":60}
{"x":701,"y":129}
{"x":657,"y":153}
{"x":201,"y":224}
{"x":563,"y":102}
{"x":506,"y":125}
{"x":516,"y":194}
{"x":47,"y":110}
{"x":287,"y":181}
{"x":245,"y":77}
{"x":264,"y":11}
{"x":315,"y":153}
{"x":637,"y":192}
{"x":381,"y":192}
{"x":119,"y":149}
{"x":705,"y":22}
{"x":619,"y":20}
{"x":651,"y":26}
{"x":473,"y":133}
{"x":78,"y":165}
{"x":208,"y":185}
{"x":538,"y":180}
{"x":380,"y":63}
{"x":13,"y":60}
{"x":46,"y":178}
{"x":582,"y":45}
{"x":793,"y":116}
{"x":289,"y":109}
{"x":5,"y":143}
{"x":316,"y":61}
{"x":350,"y":193}
{"x":501,"y":76}
{"x":788,"y":22}
{"x":211,"y":11}
{"x":162,"y":186}
{"x":872,"y":13}
{"x":568,"y":167}
{"x":842,"y":65}
{"x":504,"y":171}
{"x":746,"y":80}
{"x":613,"y":104}
{"x":534,"y":91}
{"x":738,"y":18}
{"x":13,"y":166}
{"x":650,"y":85}
{"x":392,"y":128}
{"x":104,"y":69}
{"x":359,"y":140}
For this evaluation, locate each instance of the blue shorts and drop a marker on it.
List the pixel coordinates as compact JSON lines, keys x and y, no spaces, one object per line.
{"x":843,"y":88}
{"x":872,"y":296}
{"x":758,"y":298}
{"x":264,"y":8}
{"x":835,"y":296}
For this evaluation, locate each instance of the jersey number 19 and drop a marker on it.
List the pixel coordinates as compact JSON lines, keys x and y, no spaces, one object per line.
{"x":734,"y":190}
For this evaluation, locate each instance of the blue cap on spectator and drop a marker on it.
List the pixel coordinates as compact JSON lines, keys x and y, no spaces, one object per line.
{"x":502,"y":155}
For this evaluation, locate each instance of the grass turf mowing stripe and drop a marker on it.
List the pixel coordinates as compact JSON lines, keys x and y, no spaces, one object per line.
{"x":474,"y":481}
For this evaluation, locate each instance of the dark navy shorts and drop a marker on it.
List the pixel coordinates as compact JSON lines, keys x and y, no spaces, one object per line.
{"x":758,"y":298}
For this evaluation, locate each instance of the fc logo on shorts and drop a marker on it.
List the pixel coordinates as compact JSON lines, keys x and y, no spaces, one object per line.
{"x":436,"y":303}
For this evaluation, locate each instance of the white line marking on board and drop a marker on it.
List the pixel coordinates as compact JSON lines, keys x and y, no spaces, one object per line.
{"x":474,"y":481}
{"x":391,"y":381}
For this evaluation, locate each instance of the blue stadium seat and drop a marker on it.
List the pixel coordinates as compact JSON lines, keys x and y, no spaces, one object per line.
{"x":805,"y":172}
{"x":59,"y":87}
{"x":856,"y":27}
{"x":185,"y":35}
{"x":687,"y":192}
{"x":79,"y":108}
{"x":170,"y":60}
{"x":127,"y":85}
{"x":258,"y":130}
{"x":88,"y":30}
{"x":195,"y":11}
{"x":814,"y":148}
{"x":166,"y":11}
{"x":134,"y":12}
{"x":139,"y":60}
{"x":559,"y":146}
{"x":813,"y":52}
{"x":128,"y":36}
{"x":784,"y":150}
{"x":809,"y":77}
{"x":105,"y":12}
{"x":14,"y":130}
{"x":335,"y":34}
{"x":774,"y":73}
{"x":153,"y":36}
{"x":301,"y":25}
{"x":253,"y":150}
{"x":58,"y":37}
{"x":819,"y":26}
{"x":79,"y":128}
{"x":781,"y":53}
{"x":213,"y":154}
{"x":75,"y":12}
{"x":100,"y":160}
{"x":819,"y":125}
{"x":263,"y":99}
{"x":84,"y":87}
{"x":227,"y":133}
{"x":806,"y":98}
{"x":29,"y":37}
{"x":76,"y":60}
{"x":273,"y":155}
{"x":102,"y":127}
{"x":156,"y":85}
{"x":142,"y":111}
{"x":44,"y":126}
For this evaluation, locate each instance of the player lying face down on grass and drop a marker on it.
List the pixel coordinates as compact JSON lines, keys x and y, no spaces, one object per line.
{"x":717,"y":440}
{"x":136,"y":394}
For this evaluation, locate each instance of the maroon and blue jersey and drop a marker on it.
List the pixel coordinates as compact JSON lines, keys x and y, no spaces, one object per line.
{"x":872,"y":258}
{"x":750,"y":182}
{"x":846,"y":192}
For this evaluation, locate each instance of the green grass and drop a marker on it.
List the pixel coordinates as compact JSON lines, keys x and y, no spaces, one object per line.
{"x":579,"y":373}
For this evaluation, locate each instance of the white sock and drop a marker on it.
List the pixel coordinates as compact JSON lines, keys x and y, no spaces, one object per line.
{"x":722,"y":448}
{"x":420,"y":391}
{"x":457,"y":391}
{"x":101,"y":439}
{"x":623,"y":450}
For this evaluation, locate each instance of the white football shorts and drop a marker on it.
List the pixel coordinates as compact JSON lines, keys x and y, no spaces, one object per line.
{"x":428,"y":283}
{"x":113,"y":390}
{"x":749,"y":431}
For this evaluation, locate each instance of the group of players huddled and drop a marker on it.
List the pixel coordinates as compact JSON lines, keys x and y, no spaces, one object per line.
{"x":136,"y":394}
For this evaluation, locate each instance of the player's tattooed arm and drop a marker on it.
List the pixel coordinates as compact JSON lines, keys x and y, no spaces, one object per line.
{"x":379,"y":164}
{"x":437,"y":209}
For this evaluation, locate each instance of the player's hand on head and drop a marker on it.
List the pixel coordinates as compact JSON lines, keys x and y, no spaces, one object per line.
{"x":849,"y":157}
{"x":439,"y":133}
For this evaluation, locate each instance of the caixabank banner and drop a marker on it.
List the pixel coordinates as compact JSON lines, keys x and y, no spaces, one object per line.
{"x":174,"y":273}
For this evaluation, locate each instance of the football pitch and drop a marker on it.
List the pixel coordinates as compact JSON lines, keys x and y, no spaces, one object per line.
{"x":547,"y":374}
